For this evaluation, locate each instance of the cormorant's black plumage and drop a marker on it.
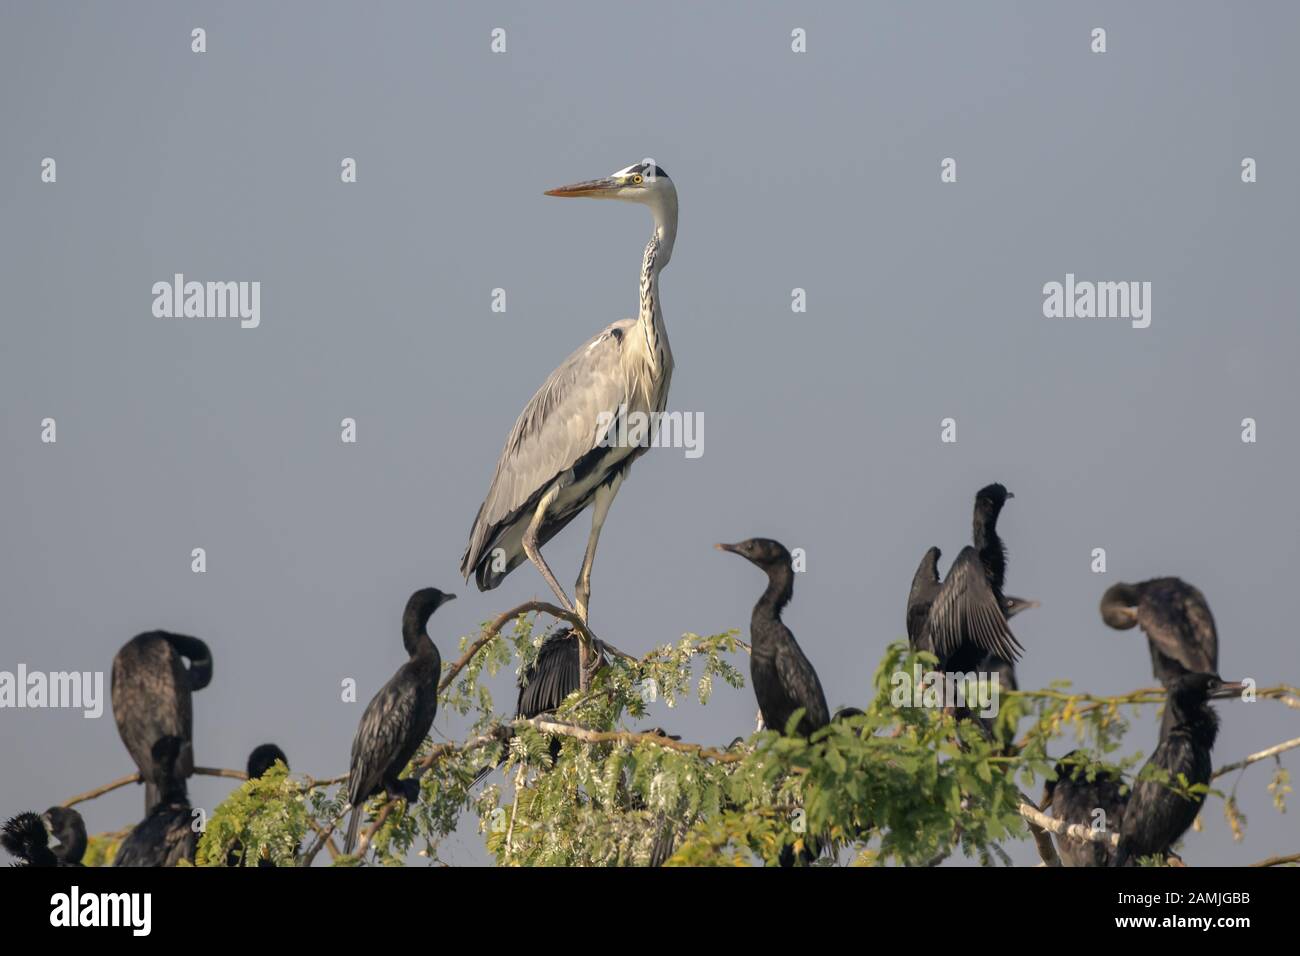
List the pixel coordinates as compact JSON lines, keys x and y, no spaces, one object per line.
{"x":1073,"y":798}
{"x":1176,"y":620}
{"x":24,"y":836}
{"x":261,"y":760}
{"x":167,"y":834}
{"x":398,"y":718}
{"x":783,"y":678}
{"x":967,"y":616}
{"x":1157,"y":816}
{"x":151,"y":689}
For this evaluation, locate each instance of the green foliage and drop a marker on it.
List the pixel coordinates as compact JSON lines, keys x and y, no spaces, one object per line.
{"x":897,"y":784}
{"x":268,"y":817}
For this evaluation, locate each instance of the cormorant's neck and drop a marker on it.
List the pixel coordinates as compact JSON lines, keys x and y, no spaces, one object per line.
{"x":1198,"y":721}
{"x":415,"y":637}
{"x":780,"y":588}
{"x":993,"y":555}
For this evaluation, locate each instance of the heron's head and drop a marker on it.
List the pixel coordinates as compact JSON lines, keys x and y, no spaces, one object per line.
{"x":764,"y":552}
{"x":642,"y":182}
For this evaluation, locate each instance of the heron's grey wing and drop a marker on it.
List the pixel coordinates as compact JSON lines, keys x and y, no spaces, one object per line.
{"x":966,"y":610}
{"x":1176,"y":619}
{"x":557,"y":427}
{"x":801,"y":684}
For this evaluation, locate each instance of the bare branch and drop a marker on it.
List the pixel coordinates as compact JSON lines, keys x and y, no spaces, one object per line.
{"x":1255,"y":758}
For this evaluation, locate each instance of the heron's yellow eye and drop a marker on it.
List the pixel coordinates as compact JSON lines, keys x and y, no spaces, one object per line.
{"x":636,"y":179}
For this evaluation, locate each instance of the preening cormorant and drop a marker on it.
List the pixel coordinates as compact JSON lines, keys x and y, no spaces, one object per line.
{"x":1176,"y":620}
{"x":783,"y":678}
{"x":151,"y":698}
{"x":167,"y":834}
{"x":261,"y":760}
{"x":1156,"y":816}
{"x":27,"y":836}
{"x":1073,"y":798}
{"x":398,"y":718}
{"x":967,"y":614}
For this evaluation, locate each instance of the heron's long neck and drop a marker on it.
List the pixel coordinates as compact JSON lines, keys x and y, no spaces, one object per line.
{"x":650,"y":319}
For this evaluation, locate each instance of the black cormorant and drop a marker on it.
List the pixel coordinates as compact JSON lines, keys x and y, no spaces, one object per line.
{"x":1156,"y":816}
{"x":967,"y":614}
{"x":167,"y":834}
{"x":27,"y":836}
{"x":1073,"y":798}
{"x":783,"y":679}
{"x":1177,"y":622}
{"x":398,"y":718}
{"x":261,"y":760}
{"x":151,"y":698}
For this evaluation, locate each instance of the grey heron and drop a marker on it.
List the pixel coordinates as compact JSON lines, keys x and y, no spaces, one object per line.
{"x":1176,"y":620}
{"x":559,"y":457}
{"x":399,"y":716}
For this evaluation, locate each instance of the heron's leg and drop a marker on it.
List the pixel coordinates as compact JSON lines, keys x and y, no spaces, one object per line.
{"x":534,"y":553}
{"x":604,"y":498}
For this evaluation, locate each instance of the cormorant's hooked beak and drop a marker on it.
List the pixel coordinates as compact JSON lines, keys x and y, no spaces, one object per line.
{"x":606,"y":186}
{"x":1011,"y":494}
{"x":733,"y":548}
{"x":1229,"y":689}
{"x":445,"y":598}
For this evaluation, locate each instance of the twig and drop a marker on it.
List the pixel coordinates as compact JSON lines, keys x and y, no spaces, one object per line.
{"x":500,"y":621}
{"x":1076,"y":830}
{"x":100,"y":791}
{"x":1279,"y":860}
{"x":1046,"y":851}
{"x":1255,"y":758}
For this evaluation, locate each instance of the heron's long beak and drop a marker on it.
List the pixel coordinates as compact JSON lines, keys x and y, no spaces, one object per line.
{"x":592,"y":187}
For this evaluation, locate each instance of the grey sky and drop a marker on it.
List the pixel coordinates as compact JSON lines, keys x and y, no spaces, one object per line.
{"x":818,"y":171}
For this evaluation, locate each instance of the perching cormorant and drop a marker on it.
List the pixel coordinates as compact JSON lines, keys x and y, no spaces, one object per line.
{"x":548,"y":681}
{"x":68,"y":829}
{"x":967,"y":616}
{"x":27,"y":836}
{"x":261,"y":760}
{"x":151,"y":698}
{"x":783,"y":679}
{"x":1073,"y":798}
{"x":926,"y":584}
{"x":398,"y":718}
{"x":167,"y":834}
{"x":1156,"y":816}
{"x":1177,"y":622}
